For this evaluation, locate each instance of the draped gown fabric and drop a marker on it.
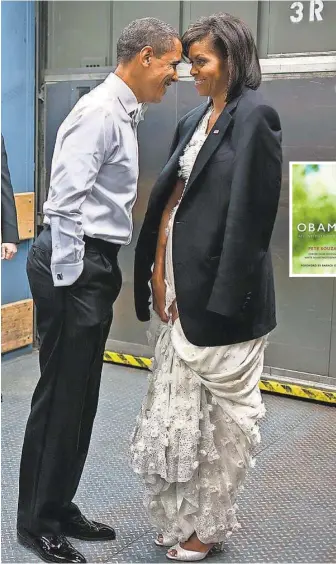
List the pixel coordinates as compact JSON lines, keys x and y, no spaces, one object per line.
{"x":198,"y":425}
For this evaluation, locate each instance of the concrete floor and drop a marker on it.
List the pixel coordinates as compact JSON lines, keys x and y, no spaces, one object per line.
{"x":287,"y":511}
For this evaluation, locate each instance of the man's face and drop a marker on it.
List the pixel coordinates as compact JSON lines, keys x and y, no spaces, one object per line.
{"x":161,"y":73}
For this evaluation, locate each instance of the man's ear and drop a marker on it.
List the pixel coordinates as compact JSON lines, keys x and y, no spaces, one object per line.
{"x":146,"y":55}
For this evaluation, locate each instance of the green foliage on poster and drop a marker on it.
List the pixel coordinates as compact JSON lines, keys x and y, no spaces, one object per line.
{"x":314,"y":218}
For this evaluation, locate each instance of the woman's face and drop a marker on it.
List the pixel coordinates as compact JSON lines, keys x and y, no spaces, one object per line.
{"x":209,"y":69}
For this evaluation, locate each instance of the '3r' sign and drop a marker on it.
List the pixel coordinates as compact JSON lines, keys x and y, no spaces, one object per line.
{"x":315,"y":11}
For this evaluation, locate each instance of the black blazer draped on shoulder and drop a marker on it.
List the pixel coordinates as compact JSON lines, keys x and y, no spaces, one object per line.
{"x":222,"y":229}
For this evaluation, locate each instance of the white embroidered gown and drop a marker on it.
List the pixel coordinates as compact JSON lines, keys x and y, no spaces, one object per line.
{"x":198,"y":423}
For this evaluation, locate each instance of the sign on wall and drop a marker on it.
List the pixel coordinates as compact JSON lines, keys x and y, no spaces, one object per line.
{"x":301,"y":27}
{"x":313,"y":219}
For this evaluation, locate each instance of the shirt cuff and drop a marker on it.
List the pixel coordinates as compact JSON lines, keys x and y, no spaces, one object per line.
{"x":66,"y":274}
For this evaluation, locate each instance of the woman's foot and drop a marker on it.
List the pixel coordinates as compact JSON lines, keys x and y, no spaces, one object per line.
{"x":192,"y":545}
{"x":195,"y":544}
{"x":165,"y":540}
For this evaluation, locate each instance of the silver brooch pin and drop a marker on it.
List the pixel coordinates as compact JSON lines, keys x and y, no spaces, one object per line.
{"x":216,"y":131}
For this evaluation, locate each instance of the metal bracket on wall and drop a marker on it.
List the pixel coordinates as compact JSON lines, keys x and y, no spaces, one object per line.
{"x":41,"y":93}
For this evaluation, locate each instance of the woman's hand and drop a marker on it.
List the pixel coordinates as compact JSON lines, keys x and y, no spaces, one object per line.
{"x":159,"y":296}
{"x":173,"y":311}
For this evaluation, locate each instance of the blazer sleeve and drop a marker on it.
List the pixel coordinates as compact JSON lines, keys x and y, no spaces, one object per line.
{"x":9,"y":227}
{"x":255,"y":193}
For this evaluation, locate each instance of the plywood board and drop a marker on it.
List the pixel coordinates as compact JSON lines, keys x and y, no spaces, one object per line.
{"x":16,"y":325}
{"x":25,"y":208}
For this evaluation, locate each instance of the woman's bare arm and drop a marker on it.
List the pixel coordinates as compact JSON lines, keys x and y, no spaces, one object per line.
{"x":158,"y":277}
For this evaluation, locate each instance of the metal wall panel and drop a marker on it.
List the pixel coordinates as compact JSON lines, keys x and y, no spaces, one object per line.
{"x":124,"y":12}
{"x":79,"y":34}
{"x":248,"y":11}
{"x":302,"y":339}
{"x":85,"y":34}
{"x":300,"y":27}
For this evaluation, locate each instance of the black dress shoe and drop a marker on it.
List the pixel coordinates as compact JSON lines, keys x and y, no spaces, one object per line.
{"x":50,"y":548}
{"x":83,"y":529}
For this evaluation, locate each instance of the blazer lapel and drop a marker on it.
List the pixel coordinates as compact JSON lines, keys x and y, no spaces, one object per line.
{"x":211,"y":143}
{"x":189,"y":126}
{"x":162,"y":187}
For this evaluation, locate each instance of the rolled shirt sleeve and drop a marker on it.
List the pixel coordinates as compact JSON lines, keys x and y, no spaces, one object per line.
{"x":80,"y":151}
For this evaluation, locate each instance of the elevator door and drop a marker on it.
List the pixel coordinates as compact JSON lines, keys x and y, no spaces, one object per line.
{"x":303,"y":342}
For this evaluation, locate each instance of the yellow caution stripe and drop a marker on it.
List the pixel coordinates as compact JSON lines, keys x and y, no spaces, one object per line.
{"x":127,"y":360}
{"x":294,"y":390}
{"x":298,"y":391}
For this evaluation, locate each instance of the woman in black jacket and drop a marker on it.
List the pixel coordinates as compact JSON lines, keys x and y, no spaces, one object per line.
{"x":204,"y":245}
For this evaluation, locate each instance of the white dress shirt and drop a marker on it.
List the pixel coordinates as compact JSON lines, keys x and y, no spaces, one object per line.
{"x":94,"y":176}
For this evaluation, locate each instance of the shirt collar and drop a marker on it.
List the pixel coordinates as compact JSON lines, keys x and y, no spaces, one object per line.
{"x":125,"y":95}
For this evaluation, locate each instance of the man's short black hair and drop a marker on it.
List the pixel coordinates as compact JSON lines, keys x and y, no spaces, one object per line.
{"x":233,"y":40}
{"x":145,"y":32}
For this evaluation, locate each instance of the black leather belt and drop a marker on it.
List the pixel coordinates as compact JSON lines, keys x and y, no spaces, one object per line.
{"x":111,"y":250}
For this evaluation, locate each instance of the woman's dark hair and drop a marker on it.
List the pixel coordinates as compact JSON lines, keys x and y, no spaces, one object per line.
{"x":233,"y":40}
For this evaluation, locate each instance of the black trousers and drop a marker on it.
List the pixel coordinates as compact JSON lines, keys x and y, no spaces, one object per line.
{"x":73,"y":324}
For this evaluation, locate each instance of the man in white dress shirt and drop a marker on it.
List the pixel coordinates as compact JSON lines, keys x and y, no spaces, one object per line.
{"x":75,"y":278}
